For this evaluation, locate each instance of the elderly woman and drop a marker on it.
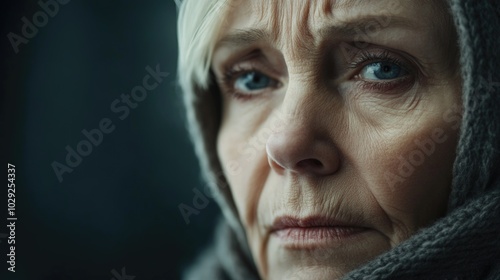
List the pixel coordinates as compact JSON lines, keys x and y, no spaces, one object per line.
{"x":346,"y":139}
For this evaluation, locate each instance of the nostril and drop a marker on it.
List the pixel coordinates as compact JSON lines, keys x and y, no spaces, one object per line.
{"x":310,"y":163}
{"x":300,"y":151}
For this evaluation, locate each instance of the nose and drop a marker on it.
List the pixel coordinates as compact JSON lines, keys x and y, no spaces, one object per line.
{"x":299,"y":149}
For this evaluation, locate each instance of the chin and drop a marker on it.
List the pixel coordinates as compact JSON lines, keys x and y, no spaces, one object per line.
{"x":331,"y":260}
{"x":320,"y":272}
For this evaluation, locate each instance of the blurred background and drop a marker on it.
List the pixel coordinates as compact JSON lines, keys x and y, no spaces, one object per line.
{"x":116,"y":214}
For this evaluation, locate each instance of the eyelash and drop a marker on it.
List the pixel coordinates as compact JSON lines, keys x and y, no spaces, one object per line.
{"x":361,"y":60}
{"x":365,"y":58}
{"x":230,"y":76}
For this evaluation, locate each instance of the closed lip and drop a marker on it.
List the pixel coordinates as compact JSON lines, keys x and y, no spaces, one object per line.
{"x":315,"y":232}
{"x":286,"y":222}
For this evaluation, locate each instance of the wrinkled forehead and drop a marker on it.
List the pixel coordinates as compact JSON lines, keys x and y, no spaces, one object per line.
{"x":295,"y":21}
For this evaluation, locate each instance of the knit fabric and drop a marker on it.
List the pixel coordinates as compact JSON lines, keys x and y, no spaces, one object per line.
{"x":226,"y":261}
{"x":478,"y":159}
{"x":465,"y":244}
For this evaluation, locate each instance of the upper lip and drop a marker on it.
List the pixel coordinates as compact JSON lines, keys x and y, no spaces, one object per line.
{"x":284,"y":222}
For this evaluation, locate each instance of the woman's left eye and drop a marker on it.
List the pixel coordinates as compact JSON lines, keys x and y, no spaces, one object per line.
{"x":253,"y":81}
{"x":382,"y":71}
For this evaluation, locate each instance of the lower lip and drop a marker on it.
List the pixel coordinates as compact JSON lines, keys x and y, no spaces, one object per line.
{"x":311,"y":237}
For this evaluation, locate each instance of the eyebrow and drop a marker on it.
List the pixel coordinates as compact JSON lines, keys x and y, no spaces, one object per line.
{"x":244,"y":37}
{"x":366,"y":24}
{"x":360,"y":26}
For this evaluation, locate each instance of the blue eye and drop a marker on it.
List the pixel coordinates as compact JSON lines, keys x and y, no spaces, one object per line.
{"x":252,"y":81}
{"x":382,"y":71}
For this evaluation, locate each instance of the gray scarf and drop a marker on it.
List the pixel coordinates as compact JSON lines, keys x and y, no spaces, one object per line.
{"x":465,"y":244}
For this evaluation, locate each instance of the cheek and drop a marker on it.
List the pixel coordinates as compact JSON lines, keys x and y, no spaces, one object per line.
{"x":243,"y":160}
{"x":411,"y":175}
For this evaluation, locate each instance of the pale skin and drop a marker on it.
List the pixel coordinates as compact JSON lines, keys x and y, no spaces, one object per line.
{"x":326,"y":105}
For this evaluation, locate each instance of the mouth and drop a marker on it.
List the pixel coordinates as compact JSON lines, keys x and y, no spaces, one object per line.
{"x":314,"y":231}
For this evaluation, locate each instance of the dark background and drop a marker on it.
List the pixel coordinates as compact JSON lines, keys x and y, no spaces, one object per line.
{"x":119,"y":207}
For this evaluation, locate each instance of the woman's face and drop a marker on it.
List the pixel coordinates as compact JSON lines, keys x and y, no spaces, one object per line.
{"x":339,"y":126}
